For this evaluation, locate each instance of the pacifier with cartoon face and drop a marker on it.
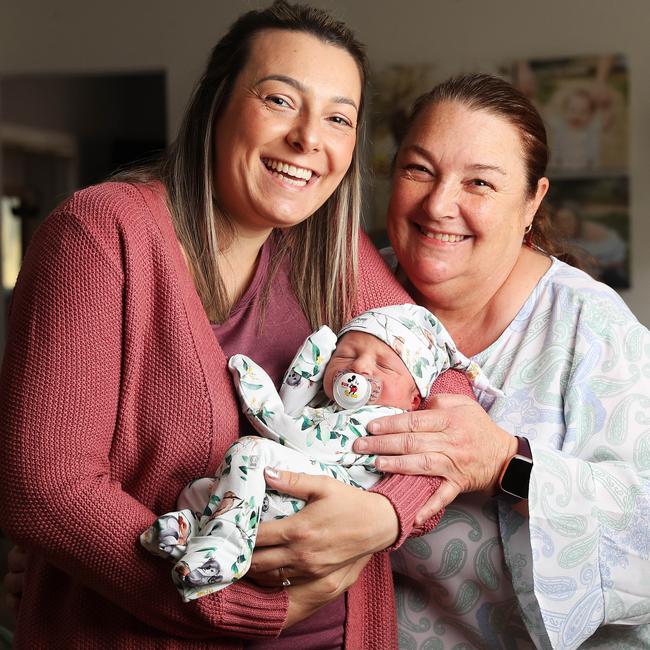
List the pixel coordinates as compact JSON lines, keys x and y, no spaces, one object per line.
{"x":352,"y":390}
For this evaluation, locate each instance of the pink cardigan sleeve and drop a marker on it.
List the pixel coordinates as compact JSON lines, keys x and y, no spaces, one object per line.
{"x":59,"y":392}
{"x":407,"y":494}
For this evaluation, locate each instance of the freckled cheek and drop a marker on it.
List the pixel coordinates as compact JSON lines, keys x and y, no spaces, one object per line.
{"x":398,"y":222}
{"x":396,"y":215}
{"x":400,"y":239}
{"x":480,"y":220}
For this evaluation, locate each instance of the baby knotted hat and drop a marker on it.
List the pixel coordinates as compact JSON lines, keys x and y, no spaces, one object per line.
{"x":422,"y":342}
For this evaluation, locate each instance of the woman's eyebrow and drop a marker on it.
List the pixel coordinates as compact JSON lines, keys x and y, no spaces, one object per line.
{"x":302,"y":88}
{"x":425,"y":153}
{"x":416,"y":148}
{"x":489,"y":168}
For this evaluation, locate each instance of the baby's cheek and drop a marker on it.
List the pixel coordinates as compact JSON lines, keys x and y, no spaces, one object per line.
{"x":395,"y":394}
{"x":327,"y":383}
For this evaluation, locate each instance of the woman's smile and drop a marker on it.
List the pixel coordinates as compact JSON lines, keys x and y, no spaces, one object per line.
{"x":439,"y":235}
{"x":294,"y":175}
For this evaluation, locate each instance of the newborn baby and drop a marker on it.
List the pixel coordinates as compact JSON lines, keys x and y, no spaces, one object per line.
{"x":384,"y":362}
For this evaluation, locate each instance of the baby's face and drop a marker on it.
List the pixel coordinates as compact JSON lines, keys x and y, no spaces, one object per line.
{"x":579,"y":110}
{"x":367,"y":355}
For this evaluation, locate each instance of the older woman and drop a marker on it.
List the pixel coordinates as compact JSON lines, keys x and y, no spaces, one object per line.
{"x":572,"y":431}
{"x":545,"y":539}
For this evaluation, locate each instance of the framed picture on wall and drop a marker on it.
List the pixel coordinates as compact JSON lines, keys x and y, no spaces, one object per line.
{"x":584,"y":103}
{"x":593,"y":216}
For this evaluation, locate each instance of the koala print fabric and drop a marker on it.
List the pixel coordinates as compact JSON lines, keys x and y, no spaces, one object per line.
{"x":212,"y":535}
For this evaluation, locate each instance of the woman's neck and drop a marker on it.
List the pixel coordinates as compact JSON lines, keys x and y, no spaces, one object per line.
{"x":238,"y":262}
{"x":477,"y":314}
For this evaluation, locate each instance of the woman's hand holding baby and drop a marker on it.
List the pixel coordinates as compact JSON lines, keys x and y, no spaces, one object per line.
{"x":339,"y":526}
{"x":307,"y":597}
{"x":454,"y":439}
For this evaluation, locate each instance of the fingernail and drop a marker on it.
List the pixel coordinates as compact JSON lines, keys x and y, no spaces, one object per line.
{"x":361,"y":444}
{"x":272,"y":472}
{"x":371,"y":426}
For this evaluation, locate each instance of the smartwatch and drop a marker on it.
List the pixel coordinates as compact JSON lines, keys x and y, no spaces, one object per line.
{"x":515,"y":477}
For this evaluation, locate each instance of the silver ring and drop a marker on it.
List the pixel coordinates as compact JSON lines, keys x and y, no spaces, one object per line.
{"x":285,"y":581}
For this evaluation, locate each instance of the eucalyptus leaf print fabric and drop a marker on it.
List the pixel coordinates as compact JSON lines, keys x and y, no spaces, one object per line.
{"x":574,"y":366}
{"x":212,"y":536}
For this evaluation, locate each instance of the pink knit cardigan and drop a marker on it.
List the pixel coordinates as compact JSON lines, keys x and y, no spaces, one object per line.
{"x":114,"y":393}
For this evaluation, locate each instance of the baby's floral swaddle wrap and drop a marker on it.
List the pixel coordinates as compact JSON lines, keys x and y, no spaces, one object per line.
{"x":212,"y":535}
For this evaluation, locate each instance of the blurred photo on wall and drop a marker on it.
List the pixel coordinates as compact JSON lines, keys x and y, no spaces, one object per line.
{"x":584,"y":102}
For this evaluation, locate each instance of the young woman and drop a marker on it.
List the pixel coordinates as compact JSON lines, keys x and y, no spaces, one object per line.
{"x":115,"y":391}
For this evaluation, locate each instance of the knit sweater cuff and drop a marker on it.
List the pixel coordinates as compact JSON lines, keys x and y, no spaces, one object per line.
{"x":427,"y":526}
{"x":247,"y":606}
{"x":407,"y":494}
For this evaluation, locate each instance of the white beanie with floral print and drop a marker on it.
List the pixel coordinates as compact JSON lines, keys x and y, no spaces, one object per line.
{"x":422,"y":342}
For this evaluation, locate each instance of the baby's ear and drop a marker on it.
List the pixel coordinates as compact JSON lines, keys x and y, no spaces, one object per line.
{"x":416,"y":400}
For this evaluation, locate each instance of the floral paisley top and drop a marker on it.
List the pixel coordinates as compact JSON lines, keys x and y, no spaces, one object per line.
{"x":575,"y":369}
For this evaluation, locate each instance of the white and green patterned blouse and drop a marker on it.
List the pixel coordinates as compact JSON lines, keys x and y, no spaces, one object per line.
{"x":575,"y":369}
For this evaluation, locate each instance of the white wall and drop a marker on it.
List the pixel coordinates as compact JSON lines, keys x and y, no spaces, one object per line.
{"x":456,"y":35}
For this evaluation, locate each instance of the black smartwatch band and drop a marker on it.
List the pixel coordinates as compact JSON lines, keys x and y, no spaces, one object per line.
{"x":515,"y":478}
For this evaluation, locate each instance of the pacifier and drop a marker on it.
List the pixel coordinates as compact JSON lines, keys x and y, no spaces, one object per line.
{"x":352,"y":390}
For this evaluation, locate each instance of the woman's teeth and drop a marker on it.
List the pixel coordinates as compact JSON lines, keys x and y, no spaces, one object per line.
{"x":442,"y":236}
{"x":294,"y":175}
